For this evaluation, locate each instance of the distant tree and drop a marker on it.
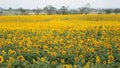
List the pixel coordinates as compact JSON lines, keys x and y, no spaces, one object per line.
{"x":10,"y":9}
{"x":50,"y":9}
{"x":116,"y":11}
{"x":108,"y":11}
{"x":73,"y":11}
{"x":37,"y":11}
{"x":1,"y":13}
{"x":100,"y":11}
{"x":22,"y":11}
{"x":63,"y":10}
{"x":57,"y":11}
{"x":82,"y":10}
{"x":85,"y":10}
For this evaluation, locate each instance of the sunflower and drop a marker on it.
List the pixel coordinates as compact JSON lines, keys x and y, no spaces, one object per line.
{"x":20,"y":58}
{"x":97,"y":57}
{"x":38,"y":59}
{"x":9,"y":65}
{"x":36,"y":51}
{"x":55,"y":47}
{"x":104,"y":62}
{"x":20,"y":51}
{"x":80,"y":56}
{"x":34,"y":61}
{"x":51,"y":48}
{"x":66,"y":47}
{"x":3,"y":52}
{"x":10,"y":51}
{"x":67,"y":66}
{"x":38,"y":46}
{"x":11,"y":59}
{"x":14,"y":52}
{"x":42,"y":59}
{"x":1,"y":59}
{"x":62,"y":44}
{"x":92,"y":49}
{"x":76,"y":59}
{"x":118,"y":49}
{"x":53,"y":53}
{"x":72,"y":51}
{"x":53,"y":62}
{"x":110,"y":53}
{"x":45,"y":47}
{"x":84,"y":52}
{"x":64,"y":53}
{"x":71,"y":46}
{"x":109,"y":61}
{"x":1,"y":45}
{"x":75,"y":66}
{"x":62,"y":60}
{"x":25,"y":49}
{"x":97,"y":60}
{"x":111,"y":57}
{"x":83,"y":60}
{"x":27,"y":45}
{"x":78,"y":48}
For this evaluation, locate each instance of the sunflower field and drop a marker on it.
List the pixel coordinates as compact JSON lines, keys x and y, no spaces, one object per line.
{"x":60,"y":41}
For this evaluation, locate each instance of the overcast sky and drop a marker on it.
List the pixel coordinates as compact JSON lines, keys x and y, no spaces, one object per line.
{"x":30,"y":4}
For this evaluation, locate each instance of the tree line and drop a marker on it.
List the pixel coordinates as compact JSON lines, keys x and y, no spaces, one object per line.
{"x":50,"y":10}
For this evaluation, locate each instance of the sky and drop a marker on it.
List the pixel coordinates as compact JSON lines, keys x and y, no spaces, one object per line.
{"x":32,"y":4}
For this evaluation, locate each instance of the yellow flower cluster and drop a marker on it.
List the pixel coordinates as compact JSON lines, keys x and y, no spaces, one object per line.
{"x":60,"y":39}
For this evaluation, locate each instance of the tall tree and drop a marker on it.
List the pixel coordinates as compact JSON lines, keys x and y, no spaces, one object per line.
{"x":37,"y":11}
{"x":85,"y":9}
{"x":100,"y":11}
{"x":116,"y":11}
{"x":82,"y":10}
{"x":22,"y":11}
{"x":1,"y":13}
{"x":10,"y":9}
{"x":73,"y":11}
{"x":63,"y":10}
{"x":50,"y":9}
{"x":108,"y":11}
